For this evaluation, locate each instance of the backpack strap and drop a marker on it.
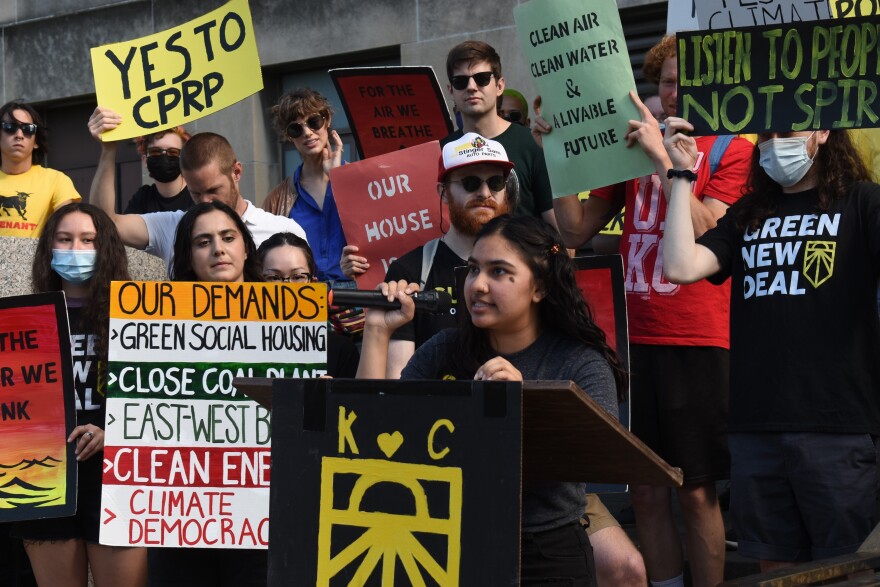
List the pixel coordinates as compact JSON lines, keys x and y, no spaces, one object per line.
{"x":717,"y":151}
{"x":429,"y":250}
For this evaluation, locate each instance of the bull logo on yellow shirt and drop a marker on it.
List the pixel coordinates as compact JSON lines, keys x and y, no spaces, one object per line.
{"x":18,"y":202}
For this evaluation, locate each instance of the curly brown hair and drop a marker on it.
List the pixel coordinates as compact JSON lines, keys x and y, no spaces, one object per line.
{"x":837,"y":165}
{"x":656,"y":56}
{"x":300,"y":103}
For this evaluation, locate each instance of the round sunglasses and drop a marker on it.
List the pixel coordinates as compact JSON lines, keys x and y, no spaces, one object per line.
{"x":315,"y":122}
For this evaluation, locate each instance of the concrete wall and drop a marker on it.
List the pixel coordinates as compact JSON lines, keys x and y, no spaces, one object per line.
{"x":15,"y":278}
{"x":44,"y":55}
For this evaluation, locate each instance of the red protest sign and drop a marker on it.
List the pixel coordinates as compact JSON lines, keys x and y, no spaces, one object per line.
{"x":392,"y":108}
{"x":389,"y":205}
{"x":600,"y":279}
{"x":38,"y":406}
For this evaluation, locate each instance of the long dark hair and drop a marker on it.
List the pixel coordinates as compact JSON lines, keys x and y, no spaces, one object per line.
{"x":182,"y":267}
{"x":111,"y":264}
{"x":837,"y":166}
{"x":563,"y":307}
{"x":281,"y":239}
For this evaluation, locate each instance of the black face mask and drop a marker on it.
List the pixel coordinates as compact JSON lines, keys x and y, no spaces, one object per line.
{"x":163,"y":168}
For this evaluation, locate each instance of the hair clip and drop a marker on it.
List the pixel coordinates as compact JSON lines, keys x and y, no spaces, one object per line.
{"x":554,"y":250}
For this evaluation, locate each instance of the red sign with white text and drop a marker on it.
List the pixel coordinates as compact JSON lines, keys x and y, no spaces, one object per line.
{"x":392,"y":108}
{"x":389,"y":205}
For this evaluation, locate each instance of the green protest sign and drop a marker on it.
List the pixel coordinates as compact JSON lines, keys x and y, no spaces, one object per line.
{"x":578,"y":58}
{"x":801,"y":76}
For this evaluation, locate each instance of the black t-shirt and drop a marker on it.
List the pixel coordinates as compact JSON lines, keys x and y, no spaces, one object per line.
{"x":90,"y":399}
{"x":148,"y":199}
{"x":342,"y":356}
{"x":804,"y":330}
{"x":535,"y":194}
{"x":441,"y":277}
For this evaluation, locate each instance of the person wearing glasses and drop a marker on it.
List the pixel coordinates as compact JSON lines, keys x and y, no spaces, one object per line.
{"x":288,"y":258}
{"x":161,"y":153}
{"x":302,"y":118}
{"x":29,"y":192}
{"x":514,"y":108}
{"x":476,"y":85}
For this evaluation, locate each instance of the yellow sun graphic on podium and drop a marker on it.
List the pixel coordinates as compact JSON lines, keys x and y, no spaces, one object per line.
{"x":385,"y":538}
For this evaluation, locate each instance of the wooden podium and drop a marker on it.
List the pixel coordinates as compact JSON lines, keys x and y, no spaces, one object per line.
{"x":388,"y":482}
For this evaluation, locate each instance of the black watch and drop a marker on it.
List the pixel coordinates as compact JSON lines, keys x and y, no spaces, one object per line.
{"x":685,"y":173}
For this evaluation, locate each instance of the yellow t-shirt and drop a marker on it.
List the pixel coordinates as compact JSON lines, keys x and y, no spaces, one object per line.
{"x":27,"y":199}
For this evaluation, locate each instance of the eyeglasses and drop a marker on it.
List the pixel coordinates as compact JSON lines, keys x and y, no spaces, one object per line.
{"x":513,"y":116}
{"x":157,"y":152}
{"x":28,"y":129}
{"x":315,"y":122}
{"x":294,"y":278}
{"x":472,"y":183}
{"x":482,"y":79}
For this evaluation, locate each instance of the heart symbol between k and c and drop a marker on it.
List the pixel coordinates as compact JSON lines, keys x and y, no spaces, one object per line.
{"x":389,"y":443}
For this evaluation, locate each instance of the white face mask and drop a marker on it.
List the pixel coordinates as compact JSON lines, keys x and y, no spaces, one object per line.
{"x":786,"y":161}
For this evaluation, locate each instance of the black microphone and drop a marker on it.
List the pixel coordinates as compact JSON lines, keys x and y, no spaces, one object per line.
{"x":435,"y":302}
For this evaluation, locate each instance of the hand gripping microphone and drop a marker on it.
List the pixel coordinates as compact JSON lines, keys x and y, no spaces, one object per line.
{"x":435,"y":302}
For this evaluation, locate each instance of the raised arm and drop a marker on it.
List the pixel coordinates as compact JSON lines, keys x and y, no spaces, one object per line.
{"x":379,"y":326}
{"x":646,"y":132}
{"x":132,"y":228}
{"x":684,"y":261}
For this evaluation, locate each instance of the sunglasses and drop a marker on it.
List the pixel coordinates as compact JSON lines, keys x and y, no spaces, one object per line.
{"x":294,"y":278}
{"x":513,"y":116}
{"x":482,"y":79}
{"x":157,"y":152}
{"x":28,"y":129}
{"x":315,"y":122}
{"x":472,"y":183}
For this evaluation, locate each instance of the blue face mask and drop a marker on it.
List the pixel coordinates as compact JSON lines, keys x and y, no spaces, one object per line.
{"x":786,"y":161}
{"x":74,"y":266}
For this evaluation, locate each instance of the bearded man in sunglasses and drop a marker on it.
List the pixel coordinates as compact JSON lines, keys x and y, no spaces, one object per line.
{"x":29,"y":192}
{"x":472,"y":180}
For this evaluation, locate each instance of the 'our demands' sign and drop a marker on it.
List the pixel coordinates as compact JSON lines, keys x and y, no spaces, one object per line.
{"x":396,"y":483}
{"x":180,"y":74}
{"x":37,"y":408}
{"x":187,"y":456}
{"x":803,"y":76}
{"x":726,"y":14}
{"x":388,"y":205}
{"x":570,"y":46}
{"x":392,"y":108}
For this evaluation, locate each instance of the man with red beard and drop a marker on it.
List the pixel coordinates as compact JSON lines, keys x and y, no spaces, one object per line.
{"x":472,"y":180}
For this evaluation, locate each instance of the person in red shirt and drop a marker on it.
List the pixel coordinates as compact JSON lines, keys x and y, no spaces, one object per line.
{"x":679,"y":334}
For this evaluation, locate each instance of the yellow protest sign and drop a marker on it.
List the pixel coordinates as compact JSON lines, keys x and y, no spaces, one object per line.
{"x":180,"y":74}
{"x":846,"y":8}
